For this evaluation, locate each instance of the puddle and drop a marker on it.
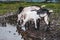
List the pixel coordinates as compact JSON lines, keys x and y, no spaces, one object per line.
{"x":9,"y":33}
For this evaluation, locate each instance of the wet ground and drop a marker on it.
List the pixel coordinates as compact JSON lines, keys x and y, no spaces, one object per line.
{"x":8,"y":29}
{"x":9,"y":33}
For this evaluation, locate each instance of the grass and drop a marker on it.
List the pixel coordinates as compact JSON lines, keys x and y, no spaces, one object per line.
{"x":13,"y":6}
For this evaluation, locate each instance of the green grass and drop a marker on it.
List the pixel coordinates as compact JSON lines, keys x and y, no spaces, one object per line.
{"x":13,"y":6}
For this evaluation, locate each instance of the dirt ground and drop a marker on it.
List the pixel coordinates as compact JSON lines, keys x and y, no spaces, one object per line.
{"x":31,"y":34}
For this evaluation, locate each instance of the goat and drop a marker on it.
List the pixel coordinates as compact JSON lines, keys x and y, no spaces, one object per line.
{"x":33,"y":13}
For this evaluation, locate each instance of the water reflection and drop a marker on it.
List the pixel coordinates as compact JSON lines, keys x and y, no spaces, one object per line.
{"x":8,"y":28}
{"x":9,"y":33}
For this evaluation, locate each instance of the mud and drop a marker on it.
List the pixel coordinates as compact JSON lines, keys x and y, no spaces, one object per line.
{"x":31,"y":34}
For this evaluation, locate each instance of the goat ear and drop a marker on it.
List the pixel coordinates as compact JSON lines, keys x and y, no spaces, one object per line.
{"x":51,"y":11}
{"x":20,"y":9}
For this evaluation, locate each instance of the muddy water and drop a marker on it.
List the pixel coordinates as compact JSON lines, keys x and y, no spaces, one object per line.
{"x":9,"y":33}
{"x":8,"y":29}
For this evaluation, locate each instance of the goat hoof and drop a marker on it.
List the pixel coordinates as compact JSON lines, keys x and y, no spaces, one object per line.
{"x":35,"y":28}
{"x":47,"y":29}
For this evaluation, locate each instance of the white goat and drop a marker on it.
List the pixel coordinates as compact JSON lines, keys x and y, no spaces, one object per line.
{"x":29,"y":13}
